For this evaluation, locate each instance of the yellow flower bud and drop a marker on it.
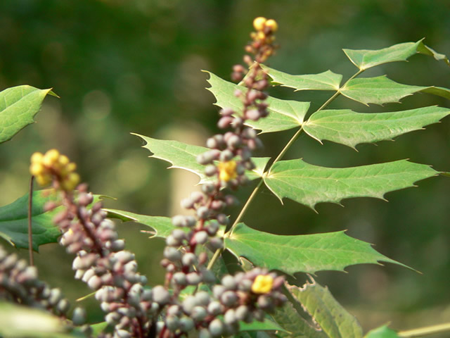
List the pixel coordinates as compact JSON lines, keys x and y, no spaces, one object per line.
{"x":43,"y":179}
{"x":227,"y":170}
{"x":36,"y":169}
{"x":70,"y":182}
{"x":36,"y":157}
{"x":272,"y":24}
{"x":50,"y":157}
{"x":259,"y":22}
{"x":63,"y":160}
{"x":261,"y":36}
{"x":262,"y":284}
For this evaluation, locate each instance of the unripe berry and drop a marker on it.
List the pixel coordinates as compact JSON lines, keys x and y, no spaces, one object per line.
{"x":229,"y":283}
{"x":198,"y":313}
{"x":259,"y":23}
{"x":193,"y":278}
{"x":226,"y":112}
{"x":186,"y":324}
{"x":172,"y":254}
{"x":200,"y":237}
{"x":229,"y":298}
{"x":189,"y":303}
{"x":172,"y":323}
{"x":160,"y":295}
{"x":179,"y":278}
{"x":189,"y":259}
{"x":215,"y":308}
{"x":272,"y":25}
{"x":202,"y":298}
{"x":203,"y":212}
{"x":216,"y":327}
{"x":79,"y":316}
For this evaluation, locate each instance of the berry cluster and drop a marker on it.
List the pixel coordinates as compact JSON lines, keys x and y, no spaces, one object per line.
{"x":105,"y":266}
{"x":44,"y":166}
{"x":19,"y":283}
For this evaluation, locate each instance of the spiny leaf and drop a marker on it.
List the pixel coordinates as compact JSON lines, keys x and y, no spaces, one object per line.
{"x":288,"y":317}
{"x":309,"y":184}
{"x":382,"y":332}
{"x":14,"y":221}
{"x":380,"y":90}
{"x":162,"y":226}
{"x":323,"y":81}
{"x":183,"y":156}
{"x":350,"y":128}
{"x":364,"y":59}
{"x":301,"y":253}
{"x":18,"y":106}
{"x":283,"y":114}
{"x":334,"y":320}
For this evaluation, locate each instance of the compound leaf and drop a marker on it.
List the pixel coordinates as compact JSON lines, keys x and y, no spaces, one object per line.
{"x":183,"y":156}
{"x":283,"y":114}
{"x":380,"y":90}
{"x":301,"y":253}
{"x":14,"y":221}
{"x":323,"y":81}
{"x":309,"y":184}
{"x":350,"y":128}
{"x":382,"y":332}
{"x":18,"y":106}
{"x":364,"y":59}
{"x":334,"y":320}
{"x":162,"y":226}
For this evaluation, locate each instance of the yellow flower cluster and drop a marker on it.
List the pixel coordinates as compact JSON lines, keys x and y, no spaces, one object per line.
{"x":260,"y":23}
{"x":262,"y":284}
{"x":227,"y":170}
{"x":52,"y":163}
{"x":263,"y":38}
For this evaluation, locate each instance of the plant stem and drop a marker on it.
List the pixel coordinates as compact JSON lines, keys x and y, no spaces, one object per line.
{"x":425,"y":331}
{"x":30,"y":224}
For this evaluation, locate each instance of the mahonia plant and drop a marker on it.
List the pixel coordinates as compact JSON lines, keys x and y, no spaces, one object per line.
{"x":195,"y":298}
{"x":101,"y":261}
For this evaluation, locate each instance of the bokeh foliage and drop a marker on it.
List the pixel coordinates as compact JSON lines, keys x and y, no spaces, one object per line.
{"x":134,"y":66}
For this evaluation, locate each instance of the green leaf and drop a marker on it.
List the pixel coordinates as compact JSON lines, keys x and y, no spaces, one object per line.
{"x":301,"y":253}
{"x":350,"y":128}
{"x":323,"y":81}
{"x":380,"y":90}
{"x":266,"y":325}
{"x":254,"y":334}
{"x":183,"y":156}
{"x":18,"y":106}
{"x":283,"y":114}
{"x":18,"y":321}
{"x":309,"y":184}
{"x":334,"y":320}
{"x":288,"y":317}
{"x":162,"y":226}
{"x":364,"y":59}
{"x":14,"y":221}
{"x":382,"y":332}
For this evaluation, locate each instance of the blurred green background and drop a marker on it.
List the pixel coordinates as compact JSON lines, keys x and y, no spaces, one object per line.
{"x":124,"y":66}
